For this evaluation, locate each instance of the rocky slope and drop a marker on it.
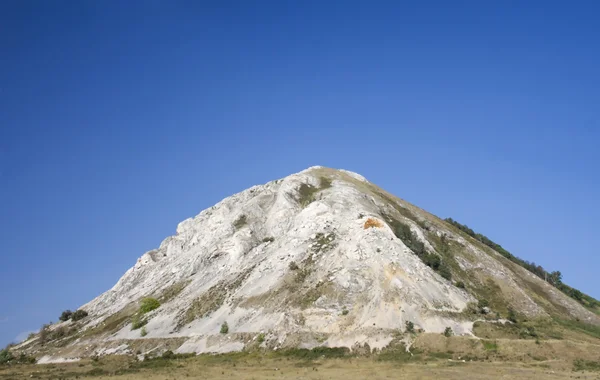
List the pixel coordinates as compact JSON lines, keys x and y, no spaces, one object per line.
{"x":321,"y":257}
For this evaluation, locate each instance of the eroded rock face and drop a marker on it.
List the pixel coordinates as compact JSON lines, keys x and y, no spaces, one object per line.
{"x":311,"y":259}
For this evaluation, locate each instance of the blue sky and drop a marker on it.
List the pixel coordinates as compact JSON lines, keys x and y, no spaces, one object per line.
{"x":120,"y":119}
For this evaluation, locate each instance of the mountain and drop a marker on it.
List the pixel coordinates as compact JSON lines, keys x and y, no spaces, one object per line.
{"x":319,"y":258}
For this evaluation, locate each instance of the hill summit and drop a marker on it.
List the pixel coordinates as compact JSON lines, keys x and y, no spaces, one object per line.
{"x":319,"y":258}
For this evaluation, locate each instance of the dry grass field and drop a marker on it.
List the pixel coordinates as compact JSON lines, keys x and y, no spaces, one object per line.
{"x":501,"y":360}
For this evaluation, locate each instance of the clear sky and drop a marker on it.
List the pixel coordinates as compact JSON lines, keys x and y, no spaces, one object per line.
{"x":120,"y":119}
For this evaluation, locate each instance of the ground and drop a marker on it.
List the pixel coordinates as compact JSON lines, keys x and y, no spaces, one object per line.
{"x":304,"y":365}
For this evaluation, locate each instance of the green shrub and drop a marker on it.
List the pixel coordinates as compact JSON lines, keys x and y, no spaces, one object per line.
{"x":448,"y":332}
{"x":269,"y":239}
{"x":168,"y":355}
{"x":148,"y":304}
{"x":410,"y":327}
{"x":59,"y":333}
{"x":65,"y":316}
{"x":261,"y":338}
{"x":512,"y":316}
{"x":138,"y":322}
{"x":24,"y":359}
{"x":144,"y":332}
{"x":345,"y":311}
{"x":460,"y":284}
{"x":5,"y":356}
{"x":444,"y":271}
{"x":293,"y":266}
{"x":489,"y":345}
{"x":78,"y":315}
{"x":224,"y":328}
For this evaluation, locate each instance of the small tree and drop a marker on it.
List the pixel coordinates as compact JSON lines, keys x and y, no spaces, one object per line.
{"x":224,"y":328}
{"x":555,"y":278}
{"x":65,"y":316}
{"x":79,"y":314}
{"x":410,"y":327}
{"x":512,"y":316}
{"x":448,"y":332}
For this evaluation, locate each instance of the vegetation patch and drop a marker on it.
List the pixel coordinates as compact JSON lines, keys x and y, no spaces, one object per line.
{"x":309,"y":297}
{"x":62,"y":335}
{"x":7,"y":357}
{"x":78,"y":315}
{"x":490,"y":299}
{"x":307,"y":193}
{"x":138,"y":321}
{"x":322,"y":242}
{"x":586,"y":365}
{"x":148,"y":304}
{"x":224,"y":328}
{"x":167,"y":359}
{"x":212,"y":299}
{"x":172,"y":291}
{"x":489,"y":345}
{"x":432,"y":260}
{"x":398,"y":353}
{"x":208,"y":302}
{"x":65,"y":316}
{"x":240,"y":222}
{"x":317,"y":353}
{"x":585,"y":328}
{"x":491,"y":330}
{"x":113,"y":323}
